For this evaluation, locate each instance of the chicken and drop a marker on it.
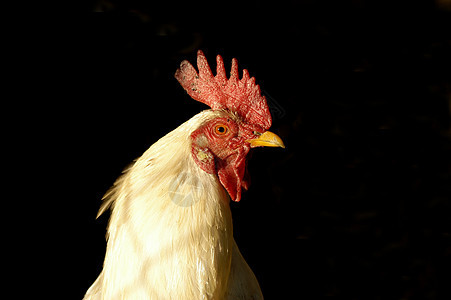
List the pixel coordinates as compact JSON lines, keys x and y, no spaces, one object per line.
{"x":170,"y":230}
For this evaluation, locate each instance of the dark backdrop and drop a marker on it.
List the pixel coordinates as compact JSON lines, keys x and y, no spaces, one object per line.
{"x":358,"y":204}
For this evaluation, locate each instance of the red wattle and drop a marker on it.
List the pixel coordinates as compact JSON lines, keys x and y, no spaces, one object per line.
{"x":231,"y":174}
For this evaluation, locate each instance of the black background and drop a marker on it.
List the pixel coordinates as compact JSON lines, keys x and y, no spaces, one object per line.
{"x":358,"y":204}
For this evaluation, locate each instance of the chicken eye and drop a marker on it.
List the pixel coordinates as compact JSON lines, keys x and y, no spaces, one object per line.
{"x":221,"y":129}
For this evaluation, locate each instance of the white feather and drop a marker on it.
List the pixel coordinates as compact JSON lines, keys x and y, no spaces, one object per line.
{"x":170,"y":231}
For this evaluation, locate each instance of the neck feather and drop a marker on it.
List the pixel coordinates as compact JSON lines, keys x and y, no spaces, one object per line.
{"x":170,"y":227}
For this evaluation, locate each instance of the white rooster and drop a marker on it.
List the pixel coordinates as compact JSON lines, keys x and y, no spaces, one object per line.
{"x":170,"y":231}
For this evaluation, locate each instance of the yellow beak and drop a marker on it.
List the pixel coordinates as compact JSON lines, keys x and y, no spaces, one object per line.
{"x":267,"y":139}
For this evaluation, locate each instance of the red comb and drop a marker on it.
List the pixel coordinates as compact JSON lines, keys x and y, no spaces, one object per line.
{"x":241,"y":96}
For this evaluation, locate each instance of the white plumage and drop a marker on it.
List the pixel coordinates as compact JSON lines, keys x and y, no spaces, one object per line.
{"x":170,"y":232}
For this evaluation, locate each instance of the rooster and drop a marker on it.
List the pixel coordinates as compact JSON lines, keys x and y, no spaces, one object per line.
{"x":170,"y":230}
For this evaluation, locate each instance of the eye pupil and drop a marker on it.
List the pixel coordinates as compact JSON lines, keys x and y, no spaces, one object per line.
{"x":221,"y":129}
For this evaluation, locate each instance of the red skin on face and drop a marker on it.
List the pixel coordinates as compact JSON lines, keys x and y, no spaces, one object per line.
{"x":223,"y":153}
